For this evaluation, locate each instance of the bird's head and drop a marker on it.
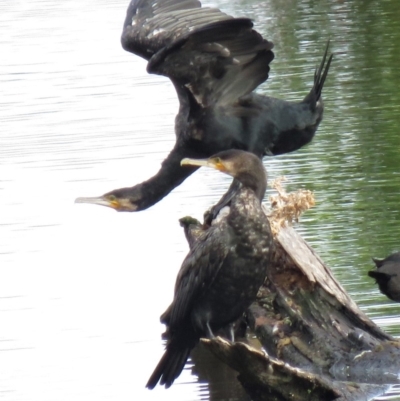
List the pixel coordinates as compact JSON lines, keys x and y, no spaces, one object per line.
{"x":121,"y":200}
{"x":244,"y":166}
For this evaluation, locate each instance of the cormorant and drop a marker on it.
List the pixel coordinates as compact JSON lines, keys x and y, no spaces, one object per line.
{"x":387,"y":275}
{"x":215,"y":62}
{"x":224,"y":269}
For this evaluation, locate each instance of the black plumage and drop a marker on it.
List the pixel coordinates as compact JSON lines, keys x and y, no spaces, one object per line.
{"x":224,"y":269}
{"x":387,"y":275}
{"x":215,"y":62}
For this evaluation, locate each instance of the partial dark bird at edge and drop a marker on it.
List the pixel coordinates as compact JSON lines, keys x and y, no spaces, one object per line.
{"x":215,"y":63}
{"x":387,"y":275}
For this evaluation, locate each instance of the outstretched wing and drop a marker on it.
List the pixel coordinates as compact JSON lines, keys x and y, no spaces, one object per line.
{"x":217,"y":57}
{"x":151,"y":25}
{"x":198,"y":271}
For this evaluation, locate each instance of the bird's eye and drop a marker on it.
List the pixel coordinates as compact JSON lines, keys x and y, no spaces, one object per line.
{"x":112,"y":198}
{"x":217,"y":160}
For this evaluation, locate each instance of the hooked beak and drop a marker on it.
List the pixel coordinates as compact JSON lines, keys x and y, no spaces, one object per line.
{"x":99,"y":200}
{"x":203,"y":163}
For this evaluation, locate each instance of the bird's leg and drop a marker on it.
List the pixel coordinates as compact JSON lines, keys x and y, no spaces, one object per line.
{"x":228,"y":332}
{"x":231,"y":333}
{"x":210,"y":334}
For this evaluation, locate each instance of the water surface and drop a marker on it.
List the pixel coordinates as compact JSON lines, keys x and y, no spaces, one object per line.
{"x":81,"y":286}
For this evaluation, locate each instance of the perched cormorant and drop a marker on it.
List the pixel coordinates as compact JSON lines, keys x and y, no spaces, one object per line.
{"x":387,"y":275}
{"x":215,"y":62}
{"x":224,"y":269}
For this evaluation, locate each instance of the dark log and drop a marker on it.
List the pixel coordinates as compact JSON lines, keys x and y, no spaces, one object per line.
{"x":318,"y":344}
{"x":314,"y":341}
{"x":269,"y":379}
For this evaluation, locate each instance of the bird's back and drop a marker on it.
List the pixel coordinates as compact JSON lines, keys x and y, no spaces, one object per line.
{"x":387,"y":275}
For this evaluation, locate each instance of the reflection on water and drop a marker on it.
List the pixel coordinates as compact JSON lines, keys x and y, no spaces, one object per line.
{"x":82,"y":287}
{"x":216,"y":380}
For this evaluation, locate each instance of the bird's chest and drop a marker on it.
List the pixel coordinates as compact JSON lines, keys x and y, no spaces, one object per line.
{"x":234,"y":289}
{"x":251,"y":237}
{"x":244,"y":268}
{"x":242,"y":272}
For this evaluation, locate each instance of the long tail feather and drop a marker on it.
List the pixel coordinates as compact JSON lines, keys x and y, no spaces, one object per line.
{"x":171,"y":364}
{"x":321,"y":73}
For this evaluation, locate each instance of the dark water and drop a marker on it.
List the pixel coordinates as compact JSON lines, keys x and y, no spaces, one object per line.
{"x":81,"y":287}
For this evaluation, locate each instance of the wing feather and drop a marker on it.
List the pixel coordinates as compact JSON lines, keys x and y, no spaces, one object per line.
{"x":198,"y":271}
{"x":217,"y":57}
{"x":152,"y":24}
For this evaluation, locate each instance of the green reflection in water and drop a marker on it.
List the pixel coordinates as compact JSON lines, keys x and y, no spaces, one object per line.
{"x":353,"y":164}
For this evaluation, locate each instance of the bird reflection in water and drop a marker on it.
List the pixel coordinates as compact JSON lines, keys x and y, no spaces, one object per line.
{"x":217,"y":380}
{"x":215,"y":63}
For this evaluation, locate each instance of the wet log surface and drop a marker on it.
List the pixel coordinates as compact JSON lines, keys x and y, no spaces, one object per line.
{"x":317,"y":344}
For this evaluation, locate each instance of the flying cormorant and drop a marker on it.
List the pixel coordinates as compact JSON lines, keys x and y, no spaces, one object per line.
{"x":224,"y":269}
{"x":387,"y":275}
{"x":215,"y":62}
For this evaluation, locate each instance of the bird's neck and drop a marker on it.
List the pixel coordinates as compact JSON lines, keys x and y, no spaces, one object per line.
{"x":248,"y":222}
{"x":244,"y":209}
{"x":254,"y":183}
{"x":170,"y":175}
{"x":244,"y":204}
